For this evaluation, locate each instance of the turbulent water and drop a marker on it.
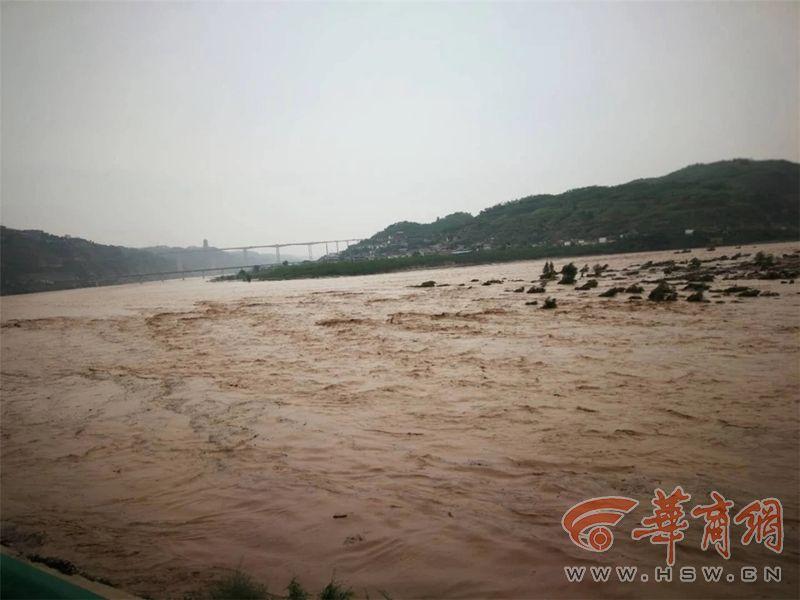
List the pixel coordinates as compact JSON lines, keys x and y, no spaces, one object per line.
{"x":157,"y":434}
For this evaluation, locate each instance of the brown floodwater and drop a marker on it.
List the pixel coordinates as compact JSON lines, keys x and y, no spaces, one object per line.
{"x":158,"y":434}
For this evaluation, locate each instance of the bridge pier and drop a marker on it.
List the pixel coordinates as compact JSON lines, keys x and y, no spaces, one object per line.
{"x":278,"y":254}
{"x":310,"y":255}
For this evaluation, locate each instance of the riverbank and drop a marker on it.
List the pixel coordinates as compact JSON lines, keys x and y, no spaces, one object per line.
{"x":353,"y":267}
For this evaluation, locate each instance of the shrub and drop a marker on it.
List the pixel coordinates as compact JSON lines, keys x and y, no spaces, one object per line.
{"x":764,"y":260}
{"x":334,"y":591}
{"x":296,"y":591}
{"x":568,"y":273}
{"x":238,"y":586}
{"x":548,"y":271}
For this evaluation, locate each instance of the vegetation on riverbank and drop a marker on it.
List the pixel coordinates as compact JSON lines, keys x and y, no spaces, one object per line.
{"x":741,"y":197}
{"x":728,"y":202}
{"x":241,"y":586}
{"x":310,"y":270}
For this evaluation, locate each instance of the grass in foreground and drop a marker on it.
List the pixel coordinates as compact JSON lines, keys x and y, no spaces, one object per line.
{"x":238,"y":586}
{"x":241,"y":586}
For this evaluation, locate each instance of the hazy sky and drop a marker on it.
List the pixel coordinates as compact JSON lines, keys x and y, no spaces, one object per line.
{"x":150,"y":123}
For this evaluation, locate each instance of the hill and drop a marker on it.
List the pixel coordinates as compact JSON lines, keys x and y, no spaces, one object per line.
{"x":35,"y":261}
{"x":733,"y":201}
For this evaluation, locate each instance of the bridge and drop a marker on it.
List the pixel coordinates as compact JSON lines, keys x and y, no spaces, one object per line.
{"x":182,"y":272}
{"x":276,"y":247}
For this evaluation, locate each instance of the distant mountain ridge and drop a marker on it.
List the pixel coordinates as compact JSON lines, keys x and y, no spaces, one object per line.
{"x":734,"y":201}
{"x":36,"y":261}
{"x":738,"y":200}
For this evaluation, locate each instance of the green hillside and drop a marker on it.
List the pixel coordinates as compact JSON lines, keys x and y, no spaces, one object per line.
{"x":35,"y":261}
{"x":738,"y":200}
{"x":735,"y":201}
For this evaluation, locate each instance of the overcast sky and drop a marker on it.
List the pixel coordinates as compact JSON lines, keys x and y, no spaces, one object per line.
{"x":155,"y":123}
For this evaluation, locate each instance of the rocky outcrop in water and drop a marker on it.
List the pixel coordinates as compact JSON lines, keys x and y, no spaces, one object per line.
{"x":663,"y":292}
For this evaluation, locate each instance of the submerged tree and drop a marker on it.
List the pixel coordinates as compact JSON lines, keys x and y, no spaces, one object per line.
{"x":568,"y":273}
{"x":549,"y":271}
{"x":764,"y":260}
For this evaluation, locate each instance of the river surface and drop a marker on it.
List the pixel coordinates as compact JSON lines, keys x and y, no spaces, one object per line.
{"x":420,"y":441}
